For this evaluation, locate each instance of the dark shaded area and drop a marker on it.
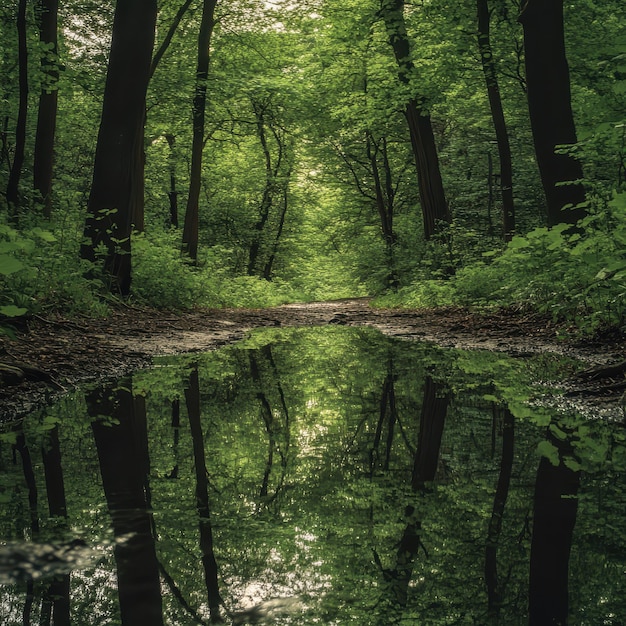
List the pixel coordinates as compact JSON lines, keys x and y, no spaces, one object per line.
{"x":121,"y":445}
{"x":554,"y":518}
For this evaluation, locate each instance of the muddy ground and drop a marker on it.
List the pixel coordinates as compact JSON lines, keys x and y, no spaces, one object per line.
{"x":56,"y":355}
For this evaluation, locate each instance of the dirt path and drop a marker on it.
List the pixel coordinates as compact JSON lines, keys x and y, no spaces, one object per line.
{"x":67,"y":353}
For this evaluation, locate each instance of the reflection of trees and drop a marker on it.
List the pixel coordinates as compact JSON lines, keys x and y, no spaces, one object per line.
{"x":432,"y":418}
{"x":556,"y":506}
{"x":388,"y":412}
{"x":55,"y":591}
{"x":192,"y":398}
{"x":434,"y":409}
{"x":494,"y":587}
{"x":29,"y":477}
{"x":176,"y":430}
{"x":56,"y":603}
{"x":258,"y":359}
{"x":121,"y":443}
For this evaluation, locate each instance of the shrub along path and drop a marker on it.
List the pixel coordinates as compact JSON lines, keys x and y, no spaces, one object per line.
{"x":50,"y":356}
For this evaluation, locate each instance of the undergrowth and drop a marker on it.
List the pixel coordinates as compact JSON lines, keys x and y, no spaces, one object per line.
{"x":578,"y":277}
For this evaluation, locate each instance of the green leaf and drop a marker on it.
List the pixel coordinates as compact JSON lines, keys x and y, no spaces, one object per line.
{"x":557,"y":432}
{"x":519,"y":242}
{"x":549,"y":451}
{"x":10,"y":310}
{"x":490,"y":398}
{"x":9,"y":265}
{"x":572,"y":464}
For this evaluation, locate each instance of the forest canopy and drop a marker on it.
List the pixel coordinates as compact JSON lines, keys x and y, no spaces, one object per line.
{"x":215,"y":153}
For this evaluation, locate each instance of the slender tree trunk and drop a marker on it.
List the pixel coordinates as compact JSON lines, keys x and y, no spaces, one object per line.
{"x":31,"y":482}
{"x":269,"y":265}
{"x":385,"y":212}
{"x":497,"y":115}
{"x":209,"y":563}
{"x":110,"y":209}
{"x":271,"y":175}
{"x":435,"y":208}
{"x":191,"y":226}
{"x":47,"y":114}
{"x":549,"y":104}
{"x":494,"y":589}
{"x":173,"y":192}
{"x":58,"y":591}
{"x":138,"y":192}
{"x":167,"y":40}
{"x":13,"y":196}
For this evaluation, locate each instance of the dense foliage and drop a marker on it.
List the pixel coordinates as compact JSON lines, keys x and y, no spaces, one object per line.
{"x":311,"y":186}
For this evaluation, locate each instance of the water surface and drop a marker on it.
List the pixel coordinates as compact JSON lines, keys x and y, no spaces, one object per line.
{"x":315,"y":476}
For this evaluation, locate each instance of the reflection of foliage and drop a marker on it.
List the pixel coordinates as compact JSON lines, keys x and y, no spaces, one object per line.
{"x":305,"y":404}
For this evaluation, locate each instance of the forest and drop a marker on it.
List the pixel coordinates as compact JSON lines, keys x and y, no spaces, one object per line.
{"x":312,"y":312}
{"x":241,"y":153}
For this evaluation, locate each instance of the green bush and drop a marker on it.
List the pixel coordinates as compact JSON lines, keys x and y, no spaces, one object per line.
{"x":41,"y":271}
{"x":578,"y":277}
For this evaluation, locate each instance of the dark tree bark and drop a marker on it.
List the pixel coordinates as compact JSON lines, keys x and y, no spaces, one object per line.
{"x":497,"y":115}
{"x":121,"y":450}
{"x":269,"y":265}
{"x":388,"y":412}
{"x":554,"y":518}
{"x":209,"y":564}
{"x":272,"y":426}
{"x":191,"y":226}
{"x":47,"y":113}
{"x":138,"y":192}
{"x":58,"y":591}
{"x":385,"y":193}
{"x":435,"y":210}
{"x":549,"y":104}
{"x":167,"y":40}
{"x":13,"y":195}
{"x":172,"y":194}
{"x":268,"y":191}
{"x":111,"y":208}
{"x":432,"y":420}
{"x":276,"y":183}
{"x":31,"y":482}
{"x":494,"y":589}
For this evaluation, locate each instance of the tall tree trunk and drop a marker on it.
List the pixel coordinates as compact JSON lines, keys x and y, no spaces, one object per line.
{"x":269,"y":265}
{"x":110,"y":207}
{"x":121,"y":453}
{"x":47,"y":114}
{"x":191,"y":226}
{"x":497,"y":115}
{"x":172,"y":194}
{"x":432,"y":420}
{"x":271,"y":175}
{"x":138,"y":192}
{"x":549,"y":104}
{"x":435,"y":208}
{"x":58,"y":590}
{"x":554,"y":518}
{"x":494,"y":589}
{"x":192,"y":399}
{"x":13,"y":196}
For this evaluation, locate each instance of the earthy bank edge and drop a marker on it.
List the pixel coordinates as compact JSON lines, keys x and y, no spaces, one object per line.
{"x":67,"y":353}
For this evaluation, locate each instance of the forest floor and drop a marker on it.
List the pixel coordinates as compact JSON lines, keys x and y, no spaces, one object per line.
{"x":56,"y":355}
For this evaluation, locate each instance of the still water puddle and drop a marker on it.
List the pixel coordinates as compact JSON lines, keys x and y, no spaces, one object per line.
{"x":315,"y":476}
